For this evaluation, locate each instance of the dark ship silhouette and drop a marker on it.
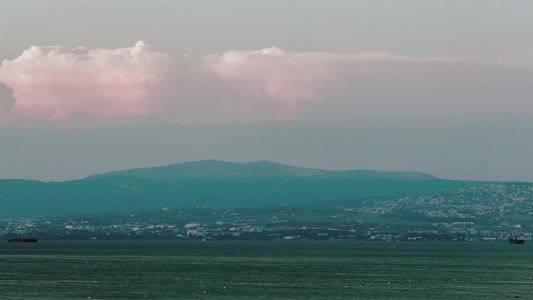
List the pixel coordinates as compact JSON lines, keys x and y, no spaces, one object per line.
{"x":516,"y":241}
{"x":21,"y":240}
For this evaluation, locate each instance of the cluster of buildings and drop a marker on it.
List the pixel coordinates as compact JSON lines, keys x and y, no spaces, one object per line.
{"x":487,"y":213}
{"x":489,"y":204}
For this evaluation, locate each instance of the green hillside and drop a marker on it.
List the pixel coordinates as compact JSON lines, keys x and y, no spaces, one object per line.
{"x":213,"y":183}
{"x":214,"y":169}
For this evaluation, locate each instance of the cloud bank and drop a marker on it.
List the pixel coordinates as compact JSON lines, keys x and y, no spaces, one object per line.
{"x":53,"y":85}
{"x":290,"y":79}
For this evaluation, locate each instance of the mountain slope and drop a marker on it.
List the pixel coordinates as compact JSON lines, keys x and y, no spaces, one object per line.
{"x":212,"y":183}
{"x":213,"y":169}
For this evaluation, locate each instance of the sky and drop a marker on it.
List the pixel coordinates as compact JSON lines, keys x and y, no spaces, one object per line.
{"x":442,"y":87}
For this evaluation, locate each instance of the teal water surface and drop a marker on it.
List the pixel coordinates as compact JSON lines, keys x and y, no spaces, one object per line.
{"x":264,"y":270}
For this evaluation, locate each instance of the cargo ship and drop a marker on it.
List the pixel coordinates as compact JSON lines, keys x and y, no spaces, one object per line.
{"x":516,"y":241}
{"x":20,"y":240}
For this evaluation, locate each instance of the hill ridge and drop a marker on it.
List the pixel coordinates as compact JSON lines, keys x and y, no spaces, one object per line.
{"x":213,"y":183}
{"x":217,"y":169}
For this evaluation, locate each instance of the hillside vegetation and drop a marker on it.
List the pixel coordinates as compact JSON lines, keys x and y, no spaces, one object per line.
{"x":212,"y":183}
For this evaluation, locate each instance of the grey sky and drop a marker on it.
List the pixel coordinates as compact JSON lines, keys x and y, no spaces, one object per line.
{"x":464,"y":119}
{"x":485,"y":150}
{"x":204,"y":27}
{"x":6,"y":99}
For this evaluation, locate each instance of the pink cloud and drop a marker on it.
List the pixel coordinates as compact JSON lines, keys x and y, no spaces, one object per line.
{"x":54,"y":84}
{"x":271,"y":75}
{"x":289,"y":79}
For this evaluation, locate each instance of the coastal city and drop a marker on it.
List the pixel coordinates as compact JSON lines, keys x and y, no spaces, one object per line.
{"x":493,"y":212}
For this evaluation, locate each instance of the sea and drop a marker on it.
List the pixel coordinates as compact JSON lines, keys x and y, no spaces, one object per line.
{"x":265,"y":270}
